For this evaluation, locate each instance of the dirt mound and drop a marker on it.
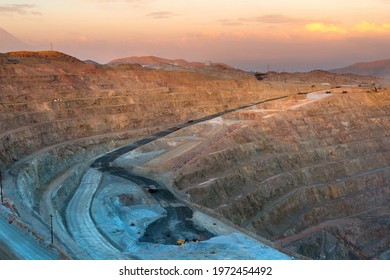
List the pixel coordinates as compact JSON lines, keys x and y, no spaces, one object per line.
{"x":42,"y":56}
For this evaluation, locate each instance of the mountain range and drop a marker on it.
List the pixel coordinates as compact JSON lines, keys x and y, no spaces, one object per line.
{"x":9,"y":43}
{"x":378,"y":68}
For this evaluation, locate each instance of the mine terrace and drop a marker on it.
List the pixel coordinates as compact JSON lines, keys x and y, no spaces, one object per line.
{"x":190,"y":161}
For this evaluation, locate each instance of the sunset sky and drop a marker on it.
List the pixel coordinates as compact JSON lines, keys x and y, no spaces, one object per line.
{"x":249,"y":34}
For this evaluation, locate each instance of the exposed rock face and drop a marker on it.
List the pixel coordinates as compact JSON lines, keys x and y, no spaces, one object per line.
{"x":318,"y":76}
{"x":58,"y":113}
{"x":48,"y":97}
{"x":311,"y":175}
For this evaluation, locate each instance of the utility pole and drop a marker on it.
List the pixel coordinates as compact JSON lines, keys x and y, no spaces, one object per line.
{"x":51,"y":229}
{"x":51,"y":46}
{"x":1,"y":188}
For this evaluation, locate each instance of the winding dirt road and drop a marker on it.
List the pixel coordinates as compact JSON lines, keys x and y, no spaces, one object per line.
{"x":86,"y":237}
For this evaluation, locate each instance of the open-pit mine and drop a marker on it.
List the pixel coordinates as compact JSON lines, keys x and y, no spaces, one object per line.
{"x":190,"y":161}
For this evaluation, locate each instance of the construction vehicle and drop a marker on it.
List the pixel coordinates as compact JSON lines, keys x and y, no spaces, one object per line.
{"x":180,"y":242}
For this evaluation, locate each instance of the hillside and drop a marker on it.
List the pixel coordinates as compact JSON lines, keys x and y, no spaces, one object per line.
{"x":305,"y":173}
{"x":163,"y":63}
{"x":379,"y":68}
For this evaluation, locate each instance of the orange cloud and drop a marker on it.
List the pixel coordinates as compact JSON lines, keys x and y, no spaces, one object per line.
{"x":362,"y":27}
{"x":161,"y":15}
{"x":21,"y":9}
{"x":365,"y":26}
{"x":324,"y":28}
{"x":273,"y":19}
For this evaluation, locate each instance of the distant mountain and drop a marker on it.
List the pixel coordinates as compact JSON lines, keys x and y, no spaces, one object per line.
{"x":379,"y":68}
{"x":9,"y":43}
{"x":160,"y":63}
{"x":88,"y":61}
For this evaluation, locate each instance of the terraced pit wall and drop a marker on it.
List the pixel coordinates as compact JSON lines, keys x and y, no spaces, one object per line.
{"x":58,"y":113}
{"x":312,"y":176}
{"x":274,"y":177}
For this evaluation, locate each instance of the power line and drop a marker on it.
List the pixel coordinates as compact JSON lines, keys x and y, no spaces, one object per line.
{"x":51,"y":229}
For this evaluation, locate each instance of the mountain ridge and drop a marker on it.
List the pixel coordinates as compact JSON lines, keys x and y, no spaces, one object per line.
{"x":377,"y":68}
{"x":9,"y":42}
{"x":158,"y":62}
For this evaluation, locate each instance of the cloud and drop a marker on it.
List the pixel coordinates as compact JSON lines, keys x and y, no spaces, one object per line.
{"x":365,"y":26}
{"x":324,"y":28}
{"x":362,"y":27}
{"x":161,"y":15}
{"x":134,"y":3}
{"x":272,"y":18}
{"x":20,"y":9}
{"x":131,"y":1}
{"x":264,"y":19}
{"x":230,"y":22}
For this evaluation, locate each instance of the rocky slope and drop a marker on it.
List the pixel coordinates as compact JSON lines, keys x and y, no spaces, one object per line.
{"x":48,"y":98}
{"x":58,"y":113}
{"x":164,"y":63}
{"x":308,"y":172}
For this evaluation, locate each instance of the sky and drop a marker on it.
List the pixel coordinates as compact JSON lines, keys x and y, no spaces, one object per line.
{"x":280,"y":35}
